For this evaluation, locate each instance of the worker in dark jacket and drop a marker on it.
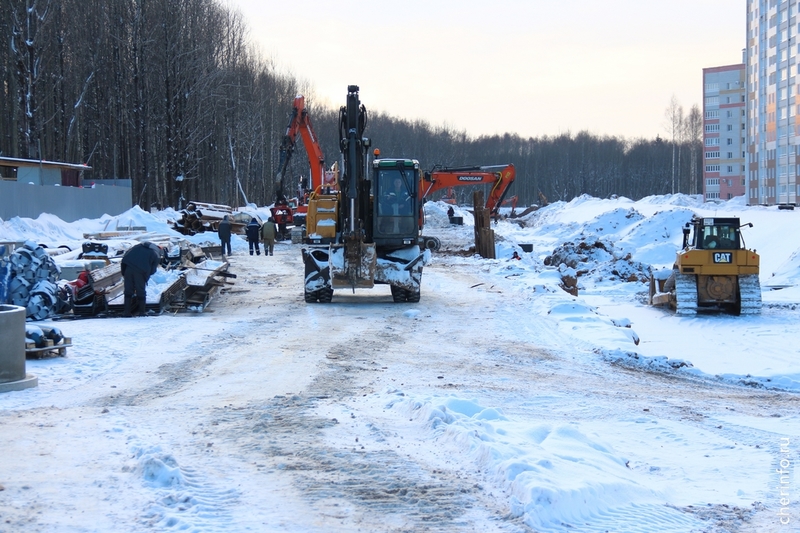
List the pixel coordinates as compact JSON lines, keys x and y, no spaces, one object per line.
{"x":268,"y":232}
{"x":253,"y":232}
{"x":138,"y":264}
{"x":224,"y":232}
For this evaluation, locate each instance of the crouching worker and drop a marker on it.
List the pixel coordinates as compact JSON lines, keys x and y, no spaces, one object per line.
{"x":138,"y":264}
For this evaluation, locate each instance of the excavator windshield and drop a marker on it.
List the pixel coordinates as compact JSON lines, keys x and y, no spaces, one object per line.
{"x":397,"y":192}
{"x":395,"y":185}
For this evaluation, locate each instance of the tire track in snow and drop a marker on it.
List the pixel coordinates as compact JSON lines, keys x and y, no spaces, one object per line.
{"x":183,"y":497}
{"x":376,"y":489}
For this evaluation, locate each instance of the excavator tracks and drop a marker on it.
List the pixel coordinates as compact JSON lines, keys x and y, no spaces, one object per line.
{"x":685,"y":294}
{"x":750,"y":294}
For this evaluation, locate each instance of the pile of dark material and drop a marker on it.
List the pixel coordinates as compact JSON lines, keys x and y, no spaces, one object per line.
{"x":30,"y":281}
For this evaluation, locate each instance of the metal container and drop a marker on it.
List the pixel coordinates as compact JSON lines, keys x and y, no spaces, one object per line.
{"x":12,"y":343}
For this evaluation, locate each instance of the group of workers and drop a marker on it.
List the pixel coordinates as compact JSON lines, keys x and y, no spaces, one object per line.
{"x":254,"y":232}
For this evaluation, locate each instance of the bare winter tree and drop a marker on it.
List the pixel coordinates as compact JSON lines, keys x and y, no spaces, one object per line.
{"x":674,"y":116}
{"x":27,"y":40}
{"x":693,"y":137}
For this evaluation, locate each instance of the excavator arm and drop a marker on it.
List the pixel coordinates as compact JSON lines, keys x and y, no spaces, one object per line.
{"x":513,"y":202}
{"x":500,"y":177}
{"x":300,"y":124}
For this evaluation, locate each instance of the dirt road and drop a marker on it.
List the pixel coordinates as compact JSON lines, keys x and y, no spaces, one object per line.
{"x":265,"y":413}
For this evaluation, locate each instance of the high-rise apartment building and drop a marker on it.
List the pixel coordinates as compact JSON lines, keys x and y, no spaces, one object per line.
{"x":773,"y":133}
{"x":724,"y":132}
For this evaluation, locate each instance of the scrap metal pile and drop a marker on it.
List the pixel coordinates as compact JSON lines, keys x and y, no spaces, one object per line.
{"x":29,"y":277}
{"x":178,"y":285}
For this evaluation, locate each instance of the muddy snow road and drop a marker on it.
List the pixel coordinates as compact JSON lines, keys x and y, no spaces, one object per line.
{"x":465,"y":412}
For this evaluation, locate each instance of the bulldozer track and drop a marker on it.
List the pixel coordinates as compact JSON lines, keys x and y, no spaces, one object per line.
{"x":750,"y":294}
{"x":685,"y":294}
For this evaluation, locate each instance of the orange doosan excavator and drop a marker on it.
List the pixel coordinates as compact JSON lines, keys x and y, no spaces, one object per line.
{"x":500,"y":177}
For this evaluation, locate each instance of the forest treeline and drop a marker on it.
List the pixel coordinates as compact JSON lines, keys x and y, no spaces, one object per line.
{"x":171,"y":94}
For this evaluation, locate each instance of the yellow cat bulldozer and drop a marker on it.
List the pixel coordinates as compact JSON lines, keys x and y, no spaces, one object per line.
{"x":713,"y":272}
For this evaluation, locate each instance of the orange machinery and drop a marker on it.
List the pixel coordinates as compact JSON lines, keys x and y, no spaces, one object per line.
{"x":300,"y":124}
{"x":500,"y":177}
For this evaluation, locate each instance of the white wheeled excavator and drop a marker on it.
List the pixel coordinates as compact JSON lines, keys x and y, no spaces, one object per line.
{"x":365,"y":230}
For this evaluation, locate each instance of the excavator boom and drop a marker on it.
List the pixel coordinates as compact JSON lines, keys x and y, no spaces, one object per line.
{"x":300,"y":124}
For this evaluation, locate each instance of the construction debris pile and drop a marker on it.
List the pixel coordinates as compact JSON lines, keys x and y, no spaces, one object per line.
{"x":596,"y":259}
{"x":176,"y":285}
{"x":88,"y":281}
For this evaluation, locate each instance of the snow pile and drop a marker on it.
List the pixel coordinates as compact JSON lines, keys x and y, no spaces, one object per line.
{"x":51,"y":231}
{"x":605,"y":242}
{"x":556,"y":476}
{"x":586,"y":323}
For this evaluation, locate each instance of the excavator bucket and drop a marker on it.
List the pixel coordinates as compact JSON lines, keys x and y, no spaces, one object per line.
{"x":353,"y":265}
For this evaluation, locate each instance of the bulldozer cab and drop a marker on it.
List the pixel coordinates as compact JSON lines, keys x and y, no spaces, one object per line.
{"x":716,"y":234}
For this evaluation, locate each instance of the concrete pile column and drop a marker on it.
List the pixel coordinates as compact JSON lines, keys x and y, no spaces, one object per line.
{"x":12,"y":350}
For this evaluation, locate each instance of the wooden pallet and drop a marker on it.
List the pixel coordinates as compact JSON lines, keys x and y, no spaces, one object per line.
{"x":50,"y":349}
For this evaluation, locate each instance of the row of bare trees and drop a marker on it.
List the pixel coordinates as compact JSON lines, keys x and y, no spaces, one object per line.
{"x":169,"y":94}
{"x":561,"y":167}
{"x":164,"y":92}
{"x":685,"y":131}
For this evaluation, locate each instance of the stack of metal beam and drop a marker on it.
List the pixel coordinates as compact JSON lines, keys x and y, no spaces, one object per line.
{"x":199,"y":217}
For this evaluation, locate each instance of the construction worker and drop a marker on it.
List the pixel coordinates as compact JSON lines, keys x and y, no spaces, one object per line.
{"x":268,"y":232}
{"x":224,"y":232}
{"x":252,"y":230}
{"x":138,"y":264}
{"x":398,"y":200}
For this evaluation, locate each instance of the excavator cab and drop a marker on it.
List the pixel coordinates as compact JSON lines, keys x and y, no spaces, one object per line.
{"x":396,"y":205}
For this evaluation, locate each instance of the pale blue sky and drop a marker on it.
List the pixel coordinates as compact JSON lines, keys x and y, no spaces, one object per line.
{"x":531,"y":67}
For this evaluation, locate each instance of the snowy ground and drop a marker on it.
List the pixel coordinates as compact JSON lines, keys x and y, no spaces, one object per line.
{"x":498,"y":403}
